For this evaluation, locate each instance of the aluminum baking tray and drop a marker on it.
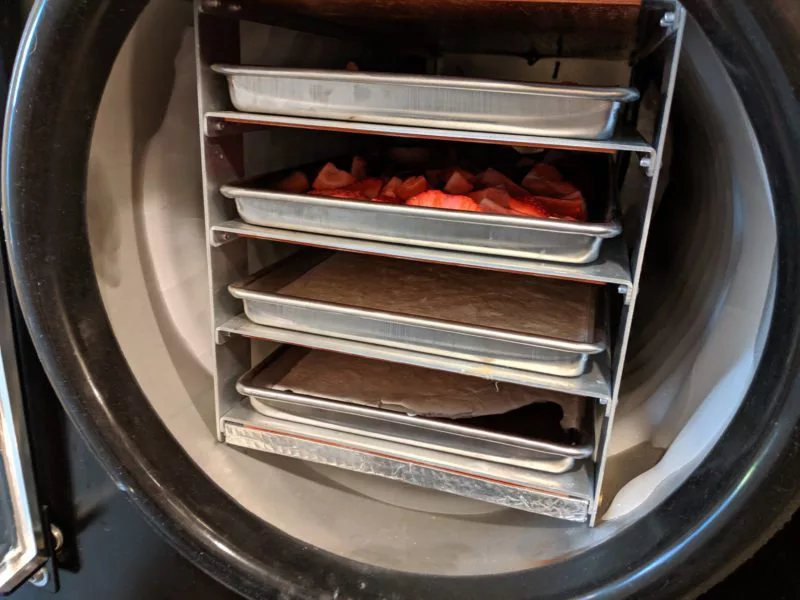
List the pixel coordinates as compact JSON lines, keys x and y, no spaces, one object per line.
{"x":542,"y":325}
{"x":551,"y":240}
{"x":371,"y":398}
{"x":429,"y":101}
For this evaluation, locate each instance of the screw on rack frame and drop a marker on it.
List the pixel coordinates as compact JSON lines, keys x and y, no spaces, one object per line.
{"x":668,"y":20}
{"x":40,"y":579}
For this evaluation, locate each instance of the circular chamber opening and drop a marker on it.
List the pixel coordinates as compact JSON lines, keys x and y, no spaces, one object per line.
{"x":703,"y":309}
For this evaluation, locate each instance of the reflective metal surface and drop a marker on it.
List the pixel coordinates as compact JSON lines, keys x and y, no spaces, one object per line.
{"x":220,"y":123}
{"x":610,"y":267}
{"x":538,"y":239}
{"x":595,"y":382}
{"x":672,"y":53}
{"x":25,"y":547}
{"x":562,"y":496}
{"x":376,"y":320}
{"x":429,"y":101}
{"x":270,"y":398}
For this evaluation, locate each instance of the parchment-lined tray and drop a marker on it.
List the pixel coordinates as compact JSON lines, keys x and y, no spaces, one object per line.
{"x":429,"y":101}
{"x":542,"y":325}
{"x":536,"y":429}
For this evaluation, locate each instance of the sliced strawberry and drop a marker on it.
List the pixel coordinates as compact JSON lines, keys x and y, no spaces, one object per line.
{"x":572,"y":206}
{"x":295,"y":183}
{"x":489,"y":206}
{"x":458,"y":183}
{"x":545,"y":180}
{"x":497,"y":195}
{"x":562,"y":189}
{"x":412,"y":187}
{"x":437,"y":199}
{"x":528,"y":207}
{"x":358,"y":169}
{"x":494,"y":178}
{"x":331,"y":178}
{"x":390,"y":189}
{"x":448,"y":173}
{"x":369,"y":188}
{"x":546,"y":171}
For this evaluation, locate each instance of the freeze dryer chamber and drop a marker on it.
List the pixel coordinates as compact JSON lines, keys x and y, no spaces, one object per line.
{"x":359,"y":299}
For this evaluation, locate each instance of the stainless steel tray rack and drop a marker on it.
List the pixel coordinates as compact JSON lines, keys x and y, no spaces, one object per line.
{"x":296,"y":385}
{"x":234,"y":254}
{"x":390,"y":302}
{"x":429,"y":101}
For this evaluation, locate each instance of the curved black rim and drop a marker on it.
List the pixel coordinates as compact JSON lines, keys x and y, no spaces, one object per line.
{"x":53,"y":101}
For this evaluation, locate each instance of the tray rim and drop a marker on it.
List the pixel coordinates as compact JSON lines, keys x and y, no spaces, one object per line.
{"x":544,"y":342}
{"x":551,"y":464}
{"x":245,"y":387}
{"x":606,"y":230}
{"x":613,"y":94}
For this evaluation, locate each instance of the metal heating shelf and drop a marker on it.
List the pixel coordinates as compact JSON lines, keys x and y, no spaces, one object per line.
{"x":564,"y":496}
{"x":230,"y":122}
{"x":611,"y":266}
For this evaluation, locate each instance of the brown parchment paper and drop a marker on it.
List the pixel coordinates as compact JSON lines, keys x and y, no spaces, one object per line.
{"x":416,"y":390}
{"x":531,"y":305}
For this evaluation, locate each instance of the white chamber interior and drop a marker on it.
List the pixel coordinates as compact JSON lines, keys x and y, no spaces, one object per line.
{"x":703,"y":310}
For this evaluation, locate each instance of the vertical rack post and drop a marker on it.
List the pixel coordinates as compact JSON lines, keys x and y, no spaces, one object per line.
{"x":676,"y":23}
{"x":217,"y":40}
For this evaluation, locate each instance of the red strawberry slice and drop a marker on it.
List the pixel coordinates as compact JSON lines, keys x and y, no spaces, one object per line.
{"x":412,"y":187}
{"x":331,"y":178}
{"x":458,"y":183}
{"x":295,"y":183}
{"x":437,"y":199}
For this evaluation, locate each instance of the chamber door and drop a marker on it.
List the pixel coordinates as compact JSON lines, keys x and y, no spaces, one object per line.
{"x":22,"y":545}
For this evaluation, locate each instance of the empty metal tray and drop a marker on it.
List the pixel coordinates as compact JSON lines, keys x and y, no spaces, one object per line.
{"x":429,"y":101}
{"x":542,"y":325}
{"x":343,"y":393}
{"x":552,"y":240}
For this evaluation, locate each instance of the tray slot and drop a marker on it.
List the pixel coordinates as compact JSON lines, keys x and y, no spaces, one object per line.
{"x":534,"y":428}
{"x":542,"y":325}
{"x":229,"y":122}
{"x":530,"y":29}
{"x":611,"y":265}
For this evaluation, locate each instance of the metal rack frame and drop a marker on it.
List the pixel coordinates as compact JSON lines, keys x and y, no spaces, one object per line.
{"x":217,"y":41}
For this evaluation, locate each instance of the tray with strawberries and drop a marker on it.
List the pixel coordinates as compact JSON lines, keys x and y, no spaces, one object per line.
{"x":553,"y":207}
